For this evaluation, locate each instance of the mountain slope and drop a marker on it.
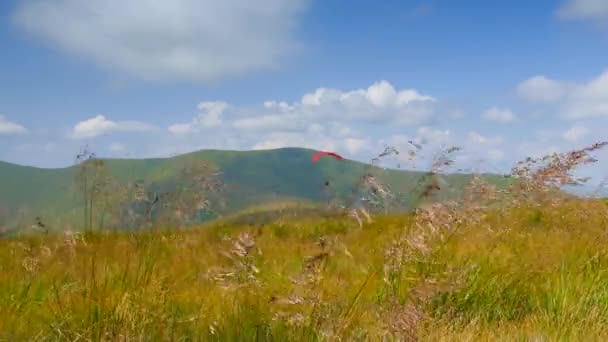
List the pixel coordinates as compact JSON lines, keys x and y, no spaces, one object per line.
{"x":251,"y":178}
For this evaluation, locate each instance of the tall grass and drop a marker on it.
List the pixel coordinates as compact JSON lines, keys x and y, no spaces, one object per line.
{"x":317,"y":282}
{"x":527,"y":263}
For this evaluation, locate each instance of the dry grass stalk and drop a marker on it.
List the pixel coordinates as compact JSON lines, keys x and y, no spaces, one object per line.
{"x":539,"y":179}
{"x":434,"y":223}
{"x":242,"y":270}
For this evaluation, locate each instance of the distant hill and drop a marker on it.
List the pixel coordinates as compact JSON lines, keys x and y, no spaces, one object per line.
{"x":251,"y":178}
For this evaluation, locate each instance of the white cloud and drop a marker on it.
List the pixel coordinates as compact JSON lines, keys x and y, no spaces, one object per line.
{"x":212,"y":113}
{"x":283,"y":106}
{"x":210,"y":116}
{"x":381,"y":102}
{"x":573,"y":101}
{"x":350,"y":122}
{"x":584,"y":9}
{"x":588,"y":100}
{"x":499,"y":115}
{"x":99,"y":125}
{"x":329,"y":112}
{"x":576,"y":133}
{"x":181,"y":129}
{"x":542,"y":89}
{"x":177,"y":39}
{"x":8,"y":127}
{"x":322,"y":119}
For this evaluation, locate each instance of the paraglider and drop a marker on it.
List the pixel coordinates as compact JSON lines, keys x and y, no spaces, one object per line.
{"x":327,"y":189}
{"x":318,"y":155}
{"x":360,"y":207}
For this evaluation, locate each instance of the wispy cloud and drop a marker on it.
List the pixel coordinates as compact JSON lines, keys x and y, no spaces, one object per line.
{"x":99,"y":125}
{"x":596,"y":10}
{"x":176,"y":39}
{"x":543,"y":90}
{"x":7,"y":127}
{"x":573,"y":100}
{"x":210,"y":116}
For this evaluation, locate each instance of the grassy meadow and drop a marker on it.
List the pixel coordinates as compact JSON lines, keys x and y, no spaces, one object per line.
{"x":521,"y":274}
{"x":526,"y":262}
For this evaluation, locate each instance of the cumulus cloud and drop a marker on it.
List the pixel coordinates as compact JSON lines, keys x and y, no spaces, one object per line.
{"x":7,"y":127}
{"x":596,"y":10}
{"x":588,"y":100}
{"x":350,"y":121}
{"x":477,"y":146}
{"x":574,"y":101}
{"x":380,"y":102}
{"x":210,"y":116}
{"x":576,"y":133}
{"x":99,"y":125}
{"x":177,"y":39}
{"x":357,"y":123}
{"x":542,"y":89}
{"x":499,"y":115}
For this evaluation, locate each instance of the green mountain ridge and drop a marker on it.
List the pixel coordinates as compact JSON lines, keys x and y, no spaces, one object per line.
{"x":251,"y":178}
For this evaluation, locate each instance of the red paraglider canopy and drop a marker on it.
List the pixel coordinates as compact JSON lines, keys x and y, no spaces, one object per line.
{"x":318,"y":155}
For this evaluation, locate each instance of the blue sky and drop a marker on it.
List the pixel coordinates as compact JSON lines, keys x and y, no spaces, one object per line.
{"x":145,"y":78}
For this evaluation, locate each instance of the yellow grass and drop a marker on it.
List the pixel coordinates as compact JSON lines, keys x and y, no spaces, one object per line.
{"x":508,"y":276}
